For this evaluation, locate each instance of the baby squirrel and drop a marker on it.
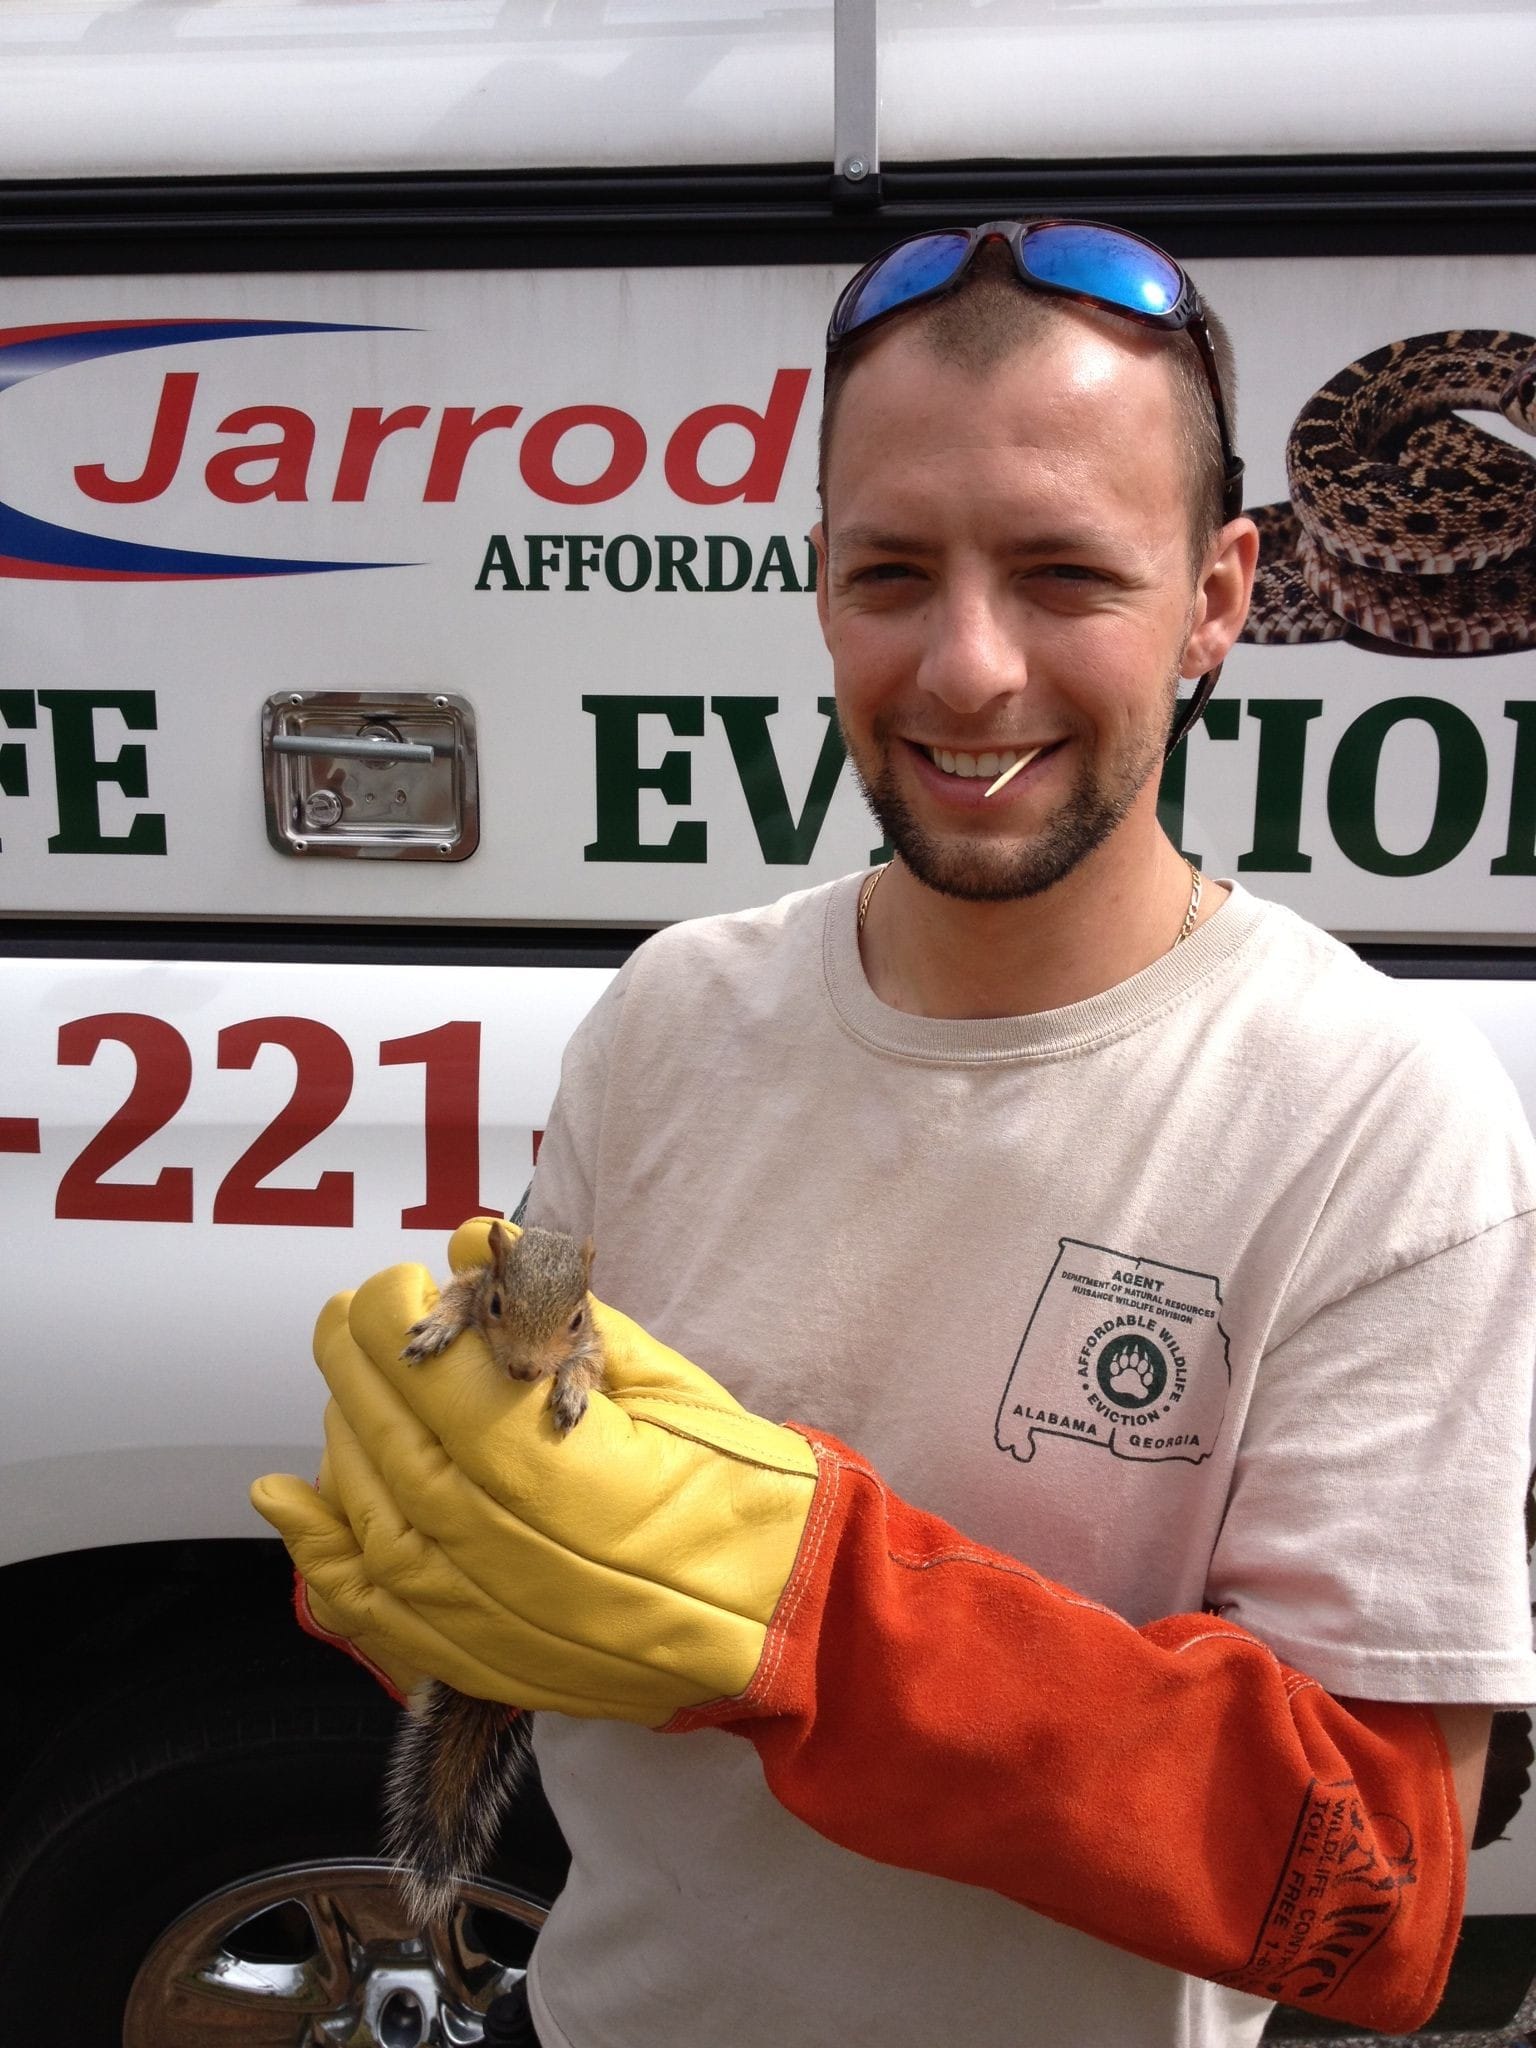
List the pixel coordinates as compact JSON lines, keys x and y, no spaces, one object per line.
{"x":457,"y":1761}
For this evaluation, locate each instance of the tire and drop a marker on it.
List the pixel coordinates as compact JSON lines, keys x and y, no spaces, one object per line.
{"x":246,"y":1758}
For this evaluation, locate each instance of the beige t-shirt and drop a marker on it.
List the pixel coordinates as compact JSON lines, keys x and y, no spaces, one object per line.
{"x":1213,"y":1290}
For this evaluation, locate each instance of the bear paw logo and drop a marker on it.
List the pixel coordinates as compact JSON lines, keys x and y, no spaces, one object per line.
{"x":1132,"y":1372}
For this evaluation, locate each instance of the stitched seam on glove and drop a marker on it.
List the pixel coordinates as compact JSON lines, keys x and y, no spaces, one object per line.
{"x":1294,"y":1681}
{"x":1008,"y":1567}
{"x":1455,"y":1900}
{"x":823,"y":1502}
{"x":988,"y":1560}
{"x":710,"y":1713}
{"x":728,"y":1450}
{"x":1455,"y":1904}
{"x":305,"y":1616}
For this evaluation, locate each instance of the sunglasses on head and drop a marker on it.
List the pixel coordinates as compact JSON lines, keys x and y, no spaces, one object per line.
{"x":1073,"y":259}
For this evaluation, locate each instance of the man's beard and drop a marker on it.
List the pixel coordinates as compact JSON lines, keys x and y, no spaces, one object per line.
{"x":977,"y":871}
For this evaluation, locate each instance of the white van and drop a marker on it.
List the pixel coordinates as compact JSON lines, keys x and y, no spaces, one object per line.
{"x":407,"y":455}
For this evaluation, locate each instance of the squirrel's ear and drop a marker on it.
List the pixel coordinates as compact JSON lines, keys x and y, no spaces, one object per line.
{"x":588,"y":1254}
{"x":501,"y":1250}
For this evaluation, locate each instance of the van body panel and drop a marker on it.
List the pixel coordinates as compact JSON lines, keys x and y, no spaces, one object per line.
{"x":273,"y":88}
{"x":198,"y":1156}
{"x":530,"y":489}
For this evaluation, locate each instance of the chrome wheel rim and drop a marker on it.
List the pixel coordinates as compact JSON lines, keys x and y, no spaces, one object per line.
{"x":323,"y":1955}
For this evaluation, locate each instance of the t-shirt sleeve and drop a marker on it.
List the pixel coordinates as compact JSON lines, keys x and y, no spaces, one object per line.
{"x":563,"y":1194}
{"x":1374,"y":1536}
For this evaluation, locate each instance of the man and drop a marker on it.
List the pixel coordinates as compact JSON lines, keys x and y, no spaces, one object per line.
{"x":1123,"y":1222}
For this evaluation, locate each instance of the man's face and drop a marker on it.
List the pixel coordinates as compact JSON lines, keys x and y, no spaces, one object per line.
{"x":1006,"y":567}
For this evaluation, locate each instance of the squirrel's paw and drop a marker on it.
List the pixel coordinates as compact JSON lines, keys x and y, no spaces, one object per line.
{"x":434,"y":1333}
{"x":568,"y":1404}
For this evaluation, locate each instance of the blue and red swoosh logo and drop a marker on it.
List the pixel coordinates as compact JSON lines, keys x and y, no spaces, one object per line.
{"x":36,"y":549}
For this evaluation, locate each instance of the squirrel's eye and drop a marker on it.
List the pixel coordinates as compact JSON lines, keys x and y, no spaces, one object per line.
{"x":576,"y":1321}
{"x":494,"y":1305}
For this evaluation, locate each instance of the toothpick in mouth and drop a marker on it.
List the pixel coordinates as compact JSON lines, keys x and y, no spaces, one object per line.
{"x":1009,"y":773}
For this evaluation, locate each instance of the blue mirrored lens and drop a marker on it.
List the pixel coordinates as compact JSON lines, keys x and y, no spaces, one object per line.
{"x":905,"y":274}
{"x":1106,"y":265}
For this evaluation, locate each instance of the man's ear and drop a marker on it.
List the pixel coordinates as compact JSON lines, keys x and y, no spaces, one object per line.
{"x":1222,"y":595}
{"x":819,"y":543}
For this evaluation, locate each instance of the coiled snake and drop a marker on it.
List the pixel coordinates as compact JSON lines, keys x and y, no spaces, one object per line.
{"x":1405,"y":523}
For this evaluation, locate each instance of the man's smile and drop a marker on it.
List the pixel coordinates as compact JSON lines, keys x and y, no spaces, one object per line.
{"x":964,"y":775}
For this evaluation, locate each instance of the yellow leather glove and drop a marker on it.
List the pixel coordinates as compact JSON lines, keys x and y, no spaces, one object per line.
{"x":912,"y":1695}
{"x":454,"y":1533}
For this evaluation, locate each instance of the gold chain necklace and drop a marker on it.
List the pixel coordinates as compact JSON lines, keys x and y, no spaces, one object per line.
{"x":867,"y":892}
{"x":1197,"y":888}
{"x":1194,"y":905}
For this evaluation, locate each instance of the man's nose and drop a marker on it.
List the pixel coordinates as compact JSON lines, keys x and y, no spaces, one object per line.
{"x":972,"y":654}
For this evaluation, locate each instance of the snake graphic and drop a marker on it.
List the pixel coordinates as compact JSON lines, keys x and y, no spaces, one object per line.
{"x":1406,"y":524}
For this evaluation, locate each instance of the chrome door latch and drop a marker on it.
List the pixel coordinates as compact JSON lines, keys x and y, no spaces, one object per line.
{"x":370,"y":775}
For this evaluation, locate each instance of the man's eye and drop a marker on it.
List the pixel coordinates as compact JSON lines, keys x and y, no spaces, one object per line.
{"x":881,"y":572}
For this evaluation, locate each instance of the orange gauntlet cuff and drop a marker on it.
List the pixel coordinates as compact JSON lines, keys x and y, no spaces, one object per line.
{"x":1174,"y":1790}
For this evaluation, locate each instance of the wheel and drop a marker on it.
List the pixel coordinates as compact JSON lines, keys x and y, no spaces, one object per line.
{"x":323,"y":1953}
{"x":193,"y":1858}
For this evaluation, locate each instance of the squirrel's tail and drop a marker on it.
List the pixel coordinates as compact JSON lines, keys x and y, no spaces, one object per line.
{"x":457,"y":1763}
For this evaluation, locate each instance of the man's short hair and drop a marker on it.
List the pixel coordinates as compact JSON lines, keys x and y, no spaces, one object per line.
{"x":990,"y":314}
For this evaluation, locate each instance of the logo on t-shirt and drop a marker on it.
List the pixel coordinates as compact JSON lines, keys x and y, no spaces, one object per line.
{"x":1131,"y":1371}
{"x":1121,"y":1351}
